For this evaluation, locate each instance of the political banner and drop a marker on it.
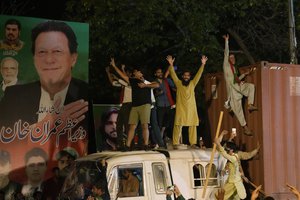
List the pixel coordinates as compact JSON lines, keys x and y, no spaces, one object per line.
{"x":44,"y":115}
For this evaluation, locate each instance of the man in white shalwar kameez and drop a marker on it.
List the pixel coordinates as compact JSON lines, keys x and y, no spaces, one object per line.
{"x":236,"y":88}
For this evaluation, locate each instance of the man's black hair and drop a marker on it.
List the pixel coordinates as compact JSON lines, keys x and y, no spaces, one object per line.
{"x":56,"y":26}
{"x":231,"y":145}
{"x":35,"y":152}
{"x":106,"y":115}
{"x":13,"y":21}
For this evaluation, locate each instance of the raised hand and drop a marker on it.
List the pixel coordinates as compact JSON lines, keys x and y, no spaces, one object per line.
{"x":170,"y":60}
{"x":204,"y":60}
{"x":176,"y":190}
{"x":293,"y":190}
{"x":112,"y":62}
{"x":226,"y":37}
{"x":221,"y":194}
{"x":255,"y":193}
{"x":224,"y":132}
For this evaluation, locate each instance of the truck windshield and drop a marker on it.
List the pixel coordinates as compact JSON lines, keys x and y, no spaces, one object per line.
{"x":86,"y":178}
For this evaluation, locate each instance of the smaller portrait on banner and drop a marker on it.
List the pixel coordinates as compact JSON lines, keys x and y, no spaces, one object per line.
{"x":35,"y":167}
{"x":9,"y":68}
{"x":108,"y":129}
{"x":7,"y":186}
{"x":106,"y":126}
{"x":12,"y":41}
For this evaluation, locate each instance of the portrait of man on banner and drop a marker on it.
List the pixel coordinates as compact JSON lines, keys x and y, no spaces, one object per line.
{"x":12,"y":39}
{"x":52,"y":112}
{"x":105,"y":117}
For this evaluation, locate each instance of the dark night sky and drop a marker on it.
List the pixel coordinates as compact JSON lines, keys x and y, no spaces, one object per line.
{"x":53,"y":9}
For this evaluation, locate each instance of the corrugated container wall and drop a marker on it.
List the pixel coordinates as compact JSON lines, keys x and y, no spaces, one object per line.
{"x":276,"y":125}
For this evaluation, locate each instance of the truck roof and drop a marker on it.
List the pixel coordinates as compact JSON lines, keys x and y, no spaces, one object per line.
{"x":203,"y":155}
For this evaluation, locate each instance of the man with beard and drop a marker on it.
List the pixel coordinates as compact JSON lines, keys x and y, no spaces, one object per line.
{"x":108,"y":130}
{"x":186,"y":109}
{"x":12,"y":29}
{"x":164,"y":100}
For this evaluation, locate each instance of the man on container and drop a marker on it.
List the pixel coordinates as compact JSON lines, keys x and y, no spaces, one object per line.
{"x":237,"y":88}
{"x":186,"y":109}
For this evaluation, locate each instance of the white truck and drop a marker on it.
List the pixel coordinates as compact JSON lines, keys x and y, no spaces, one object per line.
{"x":155,"y":171}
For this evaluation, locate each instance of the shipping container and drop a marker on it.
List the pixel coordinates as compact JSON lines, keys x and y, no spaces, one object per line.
{"x":276,"y":124}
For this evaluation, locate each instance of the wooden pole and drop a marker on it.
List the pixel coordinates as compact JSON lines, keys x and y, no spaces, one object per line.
{"x":212,"y":154}
{"x":255,"y":186}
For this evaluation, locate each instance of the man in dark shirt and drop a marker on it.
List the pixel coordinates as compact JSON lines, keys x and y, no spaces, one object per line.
{"x":141,"y":103}
{"x":164,"y":100}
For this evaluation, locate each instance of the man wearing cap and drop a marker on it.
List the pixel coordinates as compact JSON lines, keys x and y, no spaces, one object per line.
{"x":7,"y":187}
{"x":65,"y":158}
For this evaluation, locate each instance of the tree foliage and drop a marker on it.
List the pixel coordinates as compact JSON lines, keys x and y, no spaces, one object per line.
{"x":142,"y":33}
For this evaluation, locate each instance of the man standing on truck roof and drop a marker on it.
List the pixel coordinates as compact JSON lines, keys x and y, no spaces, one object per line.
{"x":186,"y":109}
{"x":141,"y":103}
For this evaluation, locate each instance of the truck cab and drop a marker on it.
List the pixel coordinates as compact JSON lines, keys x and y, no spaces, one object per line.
{"x":153,"y":172}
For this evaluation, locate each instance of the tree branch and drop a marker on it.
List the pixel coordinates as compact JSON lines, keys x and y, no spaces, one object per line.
{"x":242,"y":45}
